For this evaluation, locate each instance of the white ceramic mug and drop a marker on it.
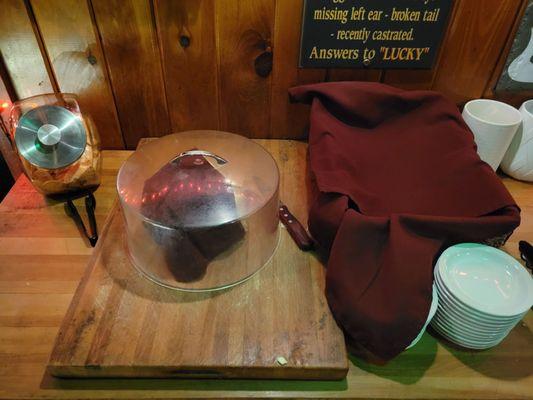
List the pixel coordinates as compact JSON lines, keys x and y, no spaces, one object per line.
{"x":518,"y":160}
{"x":493,"y":124}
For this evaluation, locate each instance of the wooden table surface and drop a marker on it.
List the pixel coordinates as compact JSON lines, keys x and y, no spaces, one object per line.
{"x":42,"y":259}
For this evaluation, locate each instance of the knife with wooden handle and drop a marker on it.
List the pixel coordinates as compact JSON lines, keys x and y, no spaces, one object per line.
{"x":295,"y":229}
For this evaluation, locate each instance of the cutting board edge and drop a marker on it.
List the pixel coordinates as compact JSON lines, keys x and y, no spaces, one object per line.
{"x":55,"y":356}
{"x":225,"y":372}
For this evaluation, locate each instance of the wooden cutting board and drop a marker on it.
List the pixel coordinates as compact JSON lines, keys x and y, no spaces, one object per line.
{"x":276,"y":325}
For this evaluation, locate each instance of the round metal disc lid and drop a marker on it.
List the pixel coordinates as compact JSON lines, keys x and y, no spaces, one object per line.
{"x":50,"y":137}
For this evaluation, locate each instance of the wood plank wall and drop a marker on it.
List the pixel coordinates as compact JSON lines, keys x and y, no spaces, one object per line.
{"x":151,"y":67}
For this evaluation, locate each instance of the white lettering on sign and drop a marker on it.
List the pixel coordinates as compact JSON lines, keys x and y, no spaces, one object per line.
{"x":372,"y":33}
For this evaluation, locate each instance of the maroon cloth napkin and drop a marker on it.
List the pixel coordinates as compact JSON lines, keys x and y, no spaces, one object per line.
{"x":398,"y":180}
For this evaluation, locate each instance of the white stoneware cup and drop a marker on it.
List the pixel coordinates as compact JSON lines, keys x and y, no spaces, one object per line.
{"x":493,"y":124}
{"x":518,"y":160}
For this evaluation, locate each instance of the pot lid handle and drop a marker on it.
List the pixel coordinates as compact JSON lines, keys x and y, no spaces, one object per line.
{"x":203,"y":153}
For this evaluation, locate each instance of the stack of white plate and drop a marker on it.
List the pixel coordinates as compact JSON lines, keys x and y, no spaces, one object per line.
{"x":483,"y":293}
{"x":431,"y":314}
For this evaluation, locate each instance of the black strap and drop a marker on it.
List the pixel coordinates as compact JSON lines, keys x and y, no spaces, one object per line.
{"x":90,"y":206}
{"x":526,"y":253}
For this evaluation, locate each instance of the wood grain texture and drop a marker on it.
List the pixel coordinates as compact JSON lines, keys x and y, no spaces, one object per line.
{"x":235,"y":333}
{"x":20,"y":51}
{"x":286,"y":119}
{"x":431,"y":370}
{"x":186,"y":32}
{"x":244,"y":32}
{"x":6,"y":150}
{"x":208,"y":49}
{"x":477,"y":36}
{"x":129,"y":41}
{"x":422,"y":79}
{"x":343,"y":74}
{"x":8,"y":91}
{"x":79,"y":66}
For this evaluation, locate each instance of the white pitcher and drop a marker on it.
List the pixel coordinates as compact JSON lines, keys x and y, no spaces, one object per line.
{"x":521,"y":69}
{"x":518,"y":160}
{"x":493,"y":124}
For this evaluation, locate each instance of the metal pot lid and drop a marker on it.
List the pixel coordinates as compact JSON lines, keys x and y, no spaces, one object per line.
{"x":50,"y":137}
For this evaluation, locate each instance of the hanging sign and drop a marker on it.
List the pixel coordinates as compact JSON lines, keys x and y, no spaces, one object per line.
{"x":372,"y":33}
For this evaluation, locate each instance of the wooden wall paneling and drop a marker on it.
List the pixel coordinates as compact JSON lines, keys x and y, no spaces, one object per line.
{"x":8,"y":91}
{"x":131,"y":50}
{"x":289,"y":120}
{"x":477,"y":36}
{"x":187,"y":37}
{"x":6,"y":150}
{"x":410,"y":79}
{"x":207,"y":57}
{"x":19,"y":48}
{"x":422,"y":79}
{"x":511,"y":97}
{"x":244,"y":38}
{"x":343,"y":74}
{"x":66,"y":27}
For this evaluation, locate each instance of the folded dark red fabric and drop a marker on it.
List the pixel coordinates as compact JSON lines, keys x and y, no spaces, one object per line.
{"x":398,"y":180}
